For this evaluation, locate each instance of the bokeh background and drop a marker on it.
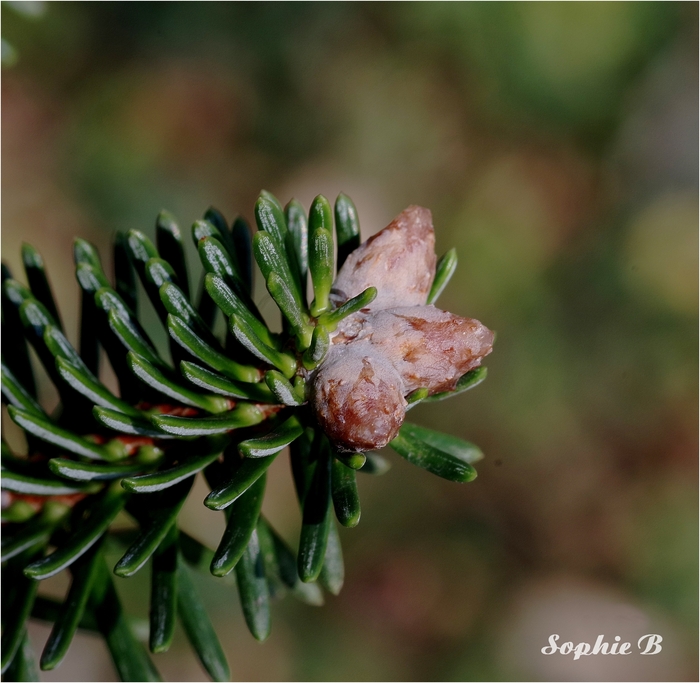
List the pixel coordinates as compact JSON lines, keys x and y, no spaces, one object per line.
{"x":557,"y":147}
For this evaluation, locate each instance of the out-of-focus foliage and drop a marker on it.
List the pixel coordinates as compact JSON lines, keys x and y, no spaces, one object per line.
{"x":556,"y":146}
{"x":565,"y":64}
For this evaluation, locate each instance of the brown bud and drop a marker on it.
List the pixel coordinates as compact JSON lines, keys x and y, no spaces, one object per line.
{"x":428,"y":347}
{"x":399,"y":261}
{"x":358,"y":397}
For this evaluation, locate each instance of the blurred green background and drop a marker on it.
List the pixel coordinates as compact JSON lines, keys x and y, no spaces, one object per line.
{"x":556,"y":145}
